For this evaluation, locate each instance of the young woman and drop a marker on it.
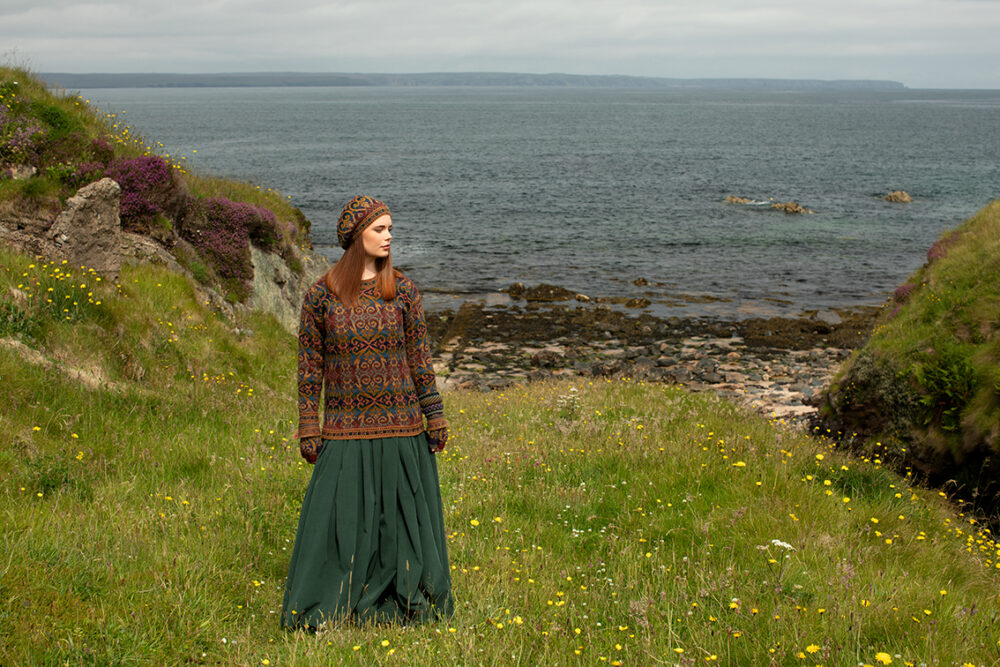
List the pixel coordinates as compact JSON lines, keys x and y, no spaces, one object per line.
{"x":370,"y":545}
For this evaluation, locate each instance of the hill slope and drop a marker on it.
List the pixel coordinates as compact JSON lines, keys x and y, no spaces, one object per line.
{"x":151,"y":490}
{"x":54,"y":149}
{"x":926,"y":386}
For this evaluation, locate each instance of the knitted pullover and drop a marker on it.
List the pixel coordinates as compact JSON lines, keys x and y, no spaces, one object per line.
{"x":371,"y":364}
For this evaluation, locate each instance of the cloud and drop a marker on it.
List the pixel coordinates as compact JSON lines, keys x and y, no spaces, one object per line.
{"x":904,"y":40}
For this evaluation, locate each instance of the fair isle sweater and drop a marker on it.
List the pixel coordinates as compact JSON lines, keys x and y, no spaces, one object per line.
{"x":371,"y":365}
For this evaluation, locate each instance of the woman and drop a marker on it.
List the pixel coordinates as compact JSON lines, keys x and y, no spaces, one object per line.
{"x":370,"y":544}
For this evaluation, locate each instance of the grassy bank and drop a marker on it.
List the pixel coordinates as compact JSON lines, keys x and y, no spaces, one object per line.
{"x":52,"y":145}
{"x":926,"y":387}
{"x":150,"y":498}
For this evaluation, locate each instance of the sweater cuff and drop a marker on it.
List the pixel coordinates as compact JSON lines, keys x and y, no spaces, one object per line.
{"x":308,"y":427}
{"x":436,"y":421}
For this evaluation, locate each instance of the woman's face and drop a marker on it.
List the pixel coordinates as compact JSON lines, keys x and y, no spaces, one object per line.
{"x":377,"y":236}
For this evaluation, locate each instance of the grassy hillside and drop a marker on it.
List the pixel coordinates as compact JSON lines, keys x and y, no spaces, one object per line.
{"x":150,"y":492}
{"x":926,"y":387}
{"x":53,"y":144}
{"x":150,"y":497}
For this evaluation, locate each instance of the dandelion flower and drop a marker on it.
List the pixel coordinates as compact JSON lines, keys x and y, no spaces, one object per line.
{"x":883,"y":658}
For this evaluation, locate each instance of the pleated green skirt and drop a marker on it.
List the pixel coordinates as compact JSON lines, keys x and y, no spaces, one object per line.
{"x":370,"y":545}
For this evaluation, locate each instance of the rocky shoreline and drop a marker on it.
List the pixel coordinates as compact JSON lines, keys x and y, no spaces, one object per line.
{"x":776,"y":365}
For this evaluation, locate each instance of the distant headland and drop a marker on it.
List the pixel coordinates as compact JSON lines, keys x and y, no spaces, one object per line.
{"x":299,"y":79}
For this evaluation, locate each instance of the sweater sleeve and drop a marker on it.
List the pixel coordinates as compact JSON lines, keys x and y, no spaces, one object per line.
{"x":418,"y":356}
{"x":310,"y":362}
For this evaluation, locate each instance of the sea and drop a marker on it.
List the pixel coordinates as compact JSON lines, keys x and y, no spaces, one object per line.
{"x":608,"y":192}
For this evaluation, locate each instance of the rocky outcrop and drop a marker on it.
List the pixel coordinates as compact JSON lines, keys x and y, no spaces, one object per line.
{"x":791,"y":207}
{"x":279,"y":290}
{"x":898,"y":196}
{"x":88,"y":231}
{"x":541,"y":293}
{"x":23,"y":228}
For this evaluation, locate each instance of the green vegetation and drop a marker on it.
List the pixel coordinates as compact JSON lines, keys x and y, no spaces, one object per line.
{"x":151,"y":486}
{"x":52,"y":145}
{"x":151,"y":491}
{"x":926,"y":387}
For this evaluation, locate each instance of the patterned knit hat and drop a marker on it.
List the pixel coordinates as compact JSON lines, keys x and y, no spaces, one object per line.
{"x":356,"y":216}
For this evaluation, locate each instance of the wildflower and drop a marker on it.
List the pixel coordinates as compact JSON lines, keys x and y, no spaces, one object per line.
{"x":812,"y":648}
{"x":474,"y":522}
{"x":884,"y":658}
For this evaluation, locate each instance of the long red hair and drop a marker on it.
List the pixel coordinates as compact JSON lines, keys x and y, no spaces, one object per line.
{"x":344,"y":277}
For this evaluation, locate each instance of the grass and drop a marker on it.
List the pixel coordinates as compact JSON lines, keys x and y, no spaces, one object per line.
{"x":148,"y":515}
{"x":928,"y":381}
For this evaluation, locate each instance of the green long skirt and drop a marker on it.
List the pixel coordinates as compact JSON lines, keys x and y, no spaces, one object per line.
{"x":370,"y":546}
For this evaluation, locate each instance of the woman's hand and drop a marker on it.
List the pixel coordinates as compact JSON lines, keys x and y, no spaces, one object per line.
{"x":310,"y":448}
{"x":437,"y":438}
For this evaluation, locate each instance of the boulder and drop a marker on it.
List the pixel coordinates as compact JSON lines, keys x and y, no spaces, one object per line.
{"x":790,"y":207}
{"x":829,"y":317}
{"x":516,"y":290}
{"x":637,"y":302}
{"x":547,"y":358}
{"x":545,"y":292}
{"x":898,"y":196}
{"x":88,"y":231}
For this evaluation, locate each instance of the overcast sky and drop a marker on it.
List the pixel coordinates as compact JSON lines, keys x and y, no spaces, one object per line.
{"x":922,"y":43}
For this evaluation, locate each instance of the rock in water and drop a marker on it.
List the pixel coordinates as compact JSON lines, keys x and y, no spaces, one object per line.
{"x":790,"y":207}
{"x":545,"y":292}
{"x":898,"y":196}
{"x":88,"y":232}
{"x":637,"y":302}
{"x":517,"y":290}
